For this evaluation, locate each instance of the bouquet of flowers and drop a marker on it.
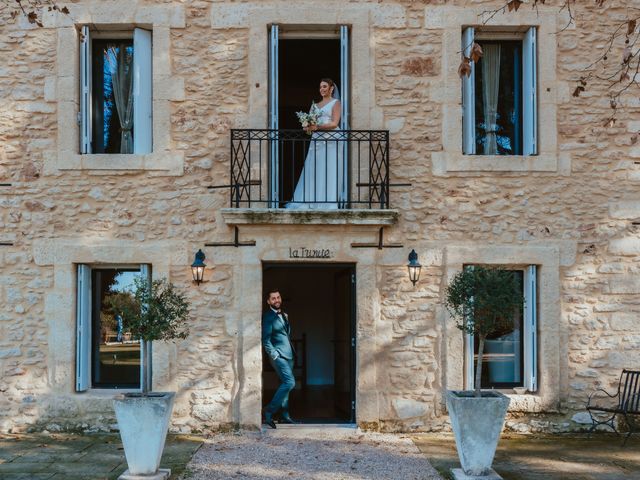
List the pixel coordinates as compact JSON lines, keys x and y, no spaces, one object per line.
{"x":309,"y":119}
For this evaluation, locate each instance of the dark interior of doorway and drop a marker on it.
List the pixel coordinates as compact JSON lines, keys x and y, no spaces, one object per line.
{"x":320,"y":302}
{"x":302,"y":64}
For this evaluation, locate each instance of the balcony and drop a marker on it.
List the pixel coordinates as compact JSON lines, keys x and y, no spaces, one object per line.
{"x":288,"y":176}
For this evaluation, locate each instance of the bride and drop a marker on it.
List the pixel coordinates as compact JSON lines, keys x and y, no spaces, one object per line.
{"x":321,"y":181}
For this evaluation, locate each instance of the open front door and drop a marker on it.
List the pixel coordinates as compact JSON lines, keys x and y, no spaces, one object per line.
{"x":344,"y":342}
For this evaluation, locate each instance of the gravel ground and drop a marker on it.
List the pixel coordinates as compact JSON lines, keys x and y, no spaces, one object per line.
{"x":309,"y":453}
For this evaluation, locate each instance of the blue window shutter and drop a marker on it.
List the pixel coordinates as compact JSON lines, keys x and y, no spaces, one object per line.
{"x":142,"y":92}
{"x":529,"y":93}
{"x":83,"y":328}
{"x":468,"y":98}
{"x":531,"y":329}
{"x":85,"y":90}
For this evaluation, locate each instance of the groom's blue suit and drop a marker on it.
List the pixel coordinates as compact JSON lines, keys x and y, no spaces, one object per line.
{"x":276,"y":341}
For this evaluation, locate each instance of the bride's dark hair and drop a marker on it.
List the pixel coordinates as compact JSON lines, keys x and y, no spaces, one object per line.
{"x":329,"y":81}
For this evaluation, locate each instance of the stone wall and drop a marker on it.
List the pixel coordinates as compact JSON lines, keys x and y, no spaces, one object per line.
{"x":583,"y":207}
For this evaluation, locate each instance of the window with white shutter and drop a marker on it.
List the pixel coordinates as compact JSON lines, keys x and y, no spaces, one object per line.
{"x":499,"y":97}
{"x":107,"y":354}
{"x":510,"y":355}
{"x":116,"y":92}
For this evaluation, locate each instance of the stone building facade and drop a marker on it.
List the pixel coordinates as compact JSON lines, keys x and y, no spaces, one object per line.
{"x":568,"y":210}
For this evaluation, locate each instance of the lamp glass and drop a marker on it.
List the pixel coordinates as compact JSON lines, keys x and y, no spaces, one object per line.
{"x":414,"y":267}
{"x":197,"y":267}
{"x":198,"y":273}
{"x":414,"y":273}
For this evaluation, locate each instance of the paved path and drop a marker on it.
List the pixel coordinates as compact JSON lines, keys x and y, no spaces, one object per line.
{"x":302,"y":453}
{"x":546,"y":457}
{"x":80,"y":457}
{"x":319,"y":453}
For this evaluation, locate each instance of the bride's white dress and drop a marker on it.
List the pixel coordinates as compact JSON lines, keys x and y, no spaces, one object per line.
{"x":321,"y":182}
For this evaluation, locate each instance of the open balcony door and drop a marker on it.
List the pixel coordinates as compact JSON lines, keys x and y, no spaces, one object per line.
{"x":274,"y":173}
{"x":344,"y":114}
{"x":344,"y":86}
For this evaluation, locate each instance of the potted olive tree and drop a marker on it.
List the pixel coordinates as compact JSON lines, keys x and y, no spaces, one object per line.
{"x":483,"y":301}
{"x":149,"y":311}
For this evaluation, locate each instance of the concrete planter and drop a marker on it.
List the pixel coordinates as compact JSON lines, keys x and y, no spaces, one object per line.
{"x":476,"y":423}
{"x":143,"y":422}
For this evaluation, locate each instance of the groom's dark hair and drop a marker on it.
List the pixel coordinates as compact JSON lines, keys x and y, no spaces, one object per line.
{"x":272,"y":290}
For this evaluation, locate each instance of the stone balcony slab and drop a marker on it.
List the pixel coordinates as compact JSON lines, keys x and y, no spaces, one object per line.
{"x":265,"y":216}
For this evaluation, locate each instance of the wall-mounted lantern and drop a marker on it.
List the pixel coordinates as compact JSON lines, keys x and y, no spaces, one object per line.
{"x":414,"y":267}
{"x":197,"y":267}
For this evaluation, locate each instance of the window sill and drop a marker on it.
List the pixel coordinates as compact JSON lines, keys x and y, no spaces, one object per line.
{"x":107,"y":392}
{"x":262,"y":216}
{"x":530,"y":402}
{"x":444,"y":163}
{"x":160,"y":163}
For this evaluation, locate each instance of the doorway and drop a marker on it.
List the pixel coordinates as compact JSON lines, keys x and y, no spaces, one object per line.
{"x":320,"y":302}
{"x":303,"y":62}
{"x":298,"y":59}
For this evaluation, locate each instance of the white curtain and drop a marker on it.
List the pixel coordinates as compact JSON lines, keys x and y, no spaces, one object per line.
{"x":122,"y":78}
{"x":490,"y":90}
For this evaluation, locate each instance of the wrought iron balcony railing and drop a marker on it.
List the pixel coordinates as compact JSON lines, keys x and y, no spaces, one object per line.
{"x":291,"y":169}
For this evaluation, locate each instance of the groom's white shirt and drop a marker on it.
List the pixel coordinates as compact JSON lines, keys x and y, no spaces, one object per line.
{"x":279,"y":313}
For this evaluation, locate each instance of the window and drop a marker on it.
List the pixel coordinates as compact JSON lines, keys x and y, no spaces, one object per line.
{"x":116,"y":92}
{"x":509,"y":358}
{"x":499,"y":97}
{"x":107,"y":356}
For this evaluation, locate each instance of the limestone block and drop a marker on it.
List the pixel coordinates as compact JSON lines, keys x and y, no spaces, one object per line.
{"x":628,"y":322}
{"x":394,"y":125}
{"x":434,"y":18}
{"x":169,"y":88}
{"x":625,"y":246}
{"x":210,"y":412}
{"x":607,"y":307}
{"x":229,"y":16}
{"x":34,"y":107}
{"x":388,"y":16}
{"x":10,"y":352}
{"x":628,"y":209}
{"x":582,"y":418}
{"x":618,"y":360}
{"x":68,"y":48}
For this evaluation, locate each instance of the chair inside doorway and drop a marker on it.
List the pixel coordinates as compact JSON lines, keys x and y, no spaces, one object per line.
{"x":319,"y":300}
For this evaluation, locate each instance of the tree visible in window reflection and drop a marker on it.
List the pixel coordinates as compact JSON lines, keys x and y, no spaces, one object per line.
{"x":152,"y":311}
{"x":483,"y":301}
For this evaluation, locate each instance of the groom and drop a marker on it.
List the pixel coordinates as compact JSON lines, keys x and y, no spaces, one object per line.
{"x":276,"y":340}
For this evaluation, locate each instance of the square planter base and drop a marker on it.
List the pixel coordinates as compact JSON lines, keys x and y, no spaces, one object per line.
{"x":161,"y":474}
{"x":458,"y":474}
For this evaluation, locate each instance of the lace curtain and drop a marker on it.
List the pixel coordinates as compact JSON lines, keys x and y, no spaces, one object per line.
{"x":490,"y":90}
{"x":121,"y":66}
